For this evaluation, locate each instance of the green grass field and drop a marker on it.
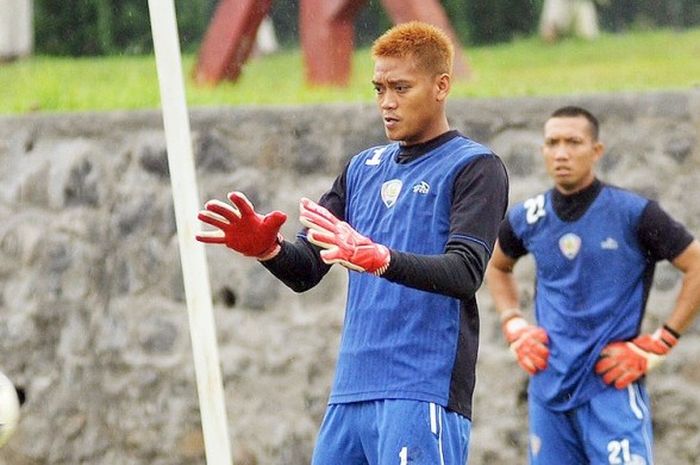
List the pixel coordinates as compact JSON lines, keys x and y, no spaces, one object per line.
{"x":638,"y":61}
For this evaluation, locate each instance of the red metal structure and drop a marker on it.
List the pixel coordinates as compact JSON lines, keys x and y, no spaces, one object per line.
{"x":229,"y":40}
{"x":327,"y":36}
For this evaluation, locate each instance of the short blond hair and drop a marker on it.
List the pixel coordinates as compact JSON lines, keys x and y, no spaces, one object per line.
{"x":428,"y":45}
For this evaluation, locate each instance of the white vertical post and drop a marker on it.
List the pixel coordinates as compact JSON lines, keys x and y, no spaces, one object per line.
{"x":16,"y":28}
{"x":192,"y":255}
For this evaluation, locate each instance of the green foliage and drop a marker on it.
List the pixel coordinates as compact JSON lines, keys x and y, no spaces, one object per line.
{"x":371,"y":23}
{"x":65,"y":30}
{"x":104,"y":27}
{"x":637,"y":61}
{"x":285,"y":16}
{"x":458,"y":13}
{"x":501,"y":20}
{"x":619,"y":15}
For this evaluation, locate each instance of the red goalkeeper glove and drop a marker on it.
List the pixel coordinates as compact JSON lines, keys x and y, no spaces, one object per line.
{"x":528,"y":343}
{"x":341,"y":242}
{"x":624,"y":362}
{"x":240,"y":228}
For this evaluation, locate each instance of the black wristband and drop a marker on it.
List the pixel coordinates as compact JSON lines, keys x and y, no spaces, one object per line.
{"x":675,"y":333}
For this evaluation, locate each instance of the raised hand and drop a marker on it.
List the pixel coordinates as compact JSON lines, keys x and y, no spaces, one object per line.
{"x":239,"y":227}
{"x":341,"y":242}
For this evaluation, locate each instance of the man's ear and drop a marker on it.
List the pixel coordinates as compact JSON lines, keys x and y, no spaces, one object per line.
{"x":599,"y":150}
{"x":443,"y":83}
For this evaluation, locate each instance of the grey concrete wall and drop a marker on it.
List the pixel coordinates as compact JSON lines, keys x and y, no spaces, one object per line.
{"x":92,"y":316}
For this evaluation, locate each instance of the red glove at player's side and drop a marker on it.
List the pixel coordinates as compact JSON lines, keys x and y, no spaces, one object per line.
{"x":343,"y":244}
{"x":528,"y":343}
{"x":240,"y":228}
{"x":624,"y":362}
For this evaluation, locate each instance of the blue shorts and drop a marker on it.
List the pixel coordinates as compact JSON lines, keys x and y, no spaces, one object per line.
{"x":392,"y":432}
{"x":612,"y":428}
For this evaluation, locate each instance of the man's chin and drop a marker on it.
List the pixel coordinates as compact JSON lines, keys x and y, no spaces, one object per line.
{"x":569,"y":187}
{"x":393,"y":135}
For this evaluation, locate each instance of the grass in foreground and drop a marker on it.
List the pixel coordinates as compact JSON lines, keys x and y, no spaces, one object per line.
{"x":638,"y":61}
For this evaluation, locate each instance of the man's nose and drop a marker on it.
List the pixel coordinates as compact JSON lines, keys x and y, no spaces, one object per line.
{"x":388,"y":101}
{"x":561,"y":152}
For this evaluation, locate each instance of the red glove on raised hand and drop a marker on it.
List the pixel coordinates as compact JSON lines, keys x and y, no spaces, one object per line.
{"x":624,"y":362}
{"x":343,"y":244}
{"x":240,"y":228}
{"x":528,"y":343}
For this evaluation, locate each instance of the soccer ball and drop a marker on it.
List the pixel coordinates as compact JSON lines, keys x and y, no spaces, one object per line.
{"x":9,"y":409}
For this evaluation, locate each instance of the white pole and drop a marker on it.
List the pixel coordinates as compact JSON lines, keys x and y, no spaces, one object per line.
{"x":192,"y":256}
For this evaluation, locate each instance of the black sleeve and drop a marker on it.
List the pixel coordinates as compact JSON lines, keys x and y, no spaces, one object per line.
{"x":480,"y":200}
{"x":457,"y":273}
{"x":509,"y":242}
{"x":334,"y":199}
{"x":662,"y":237}
{"x":299,"y":265}
{"x":480,"y":197}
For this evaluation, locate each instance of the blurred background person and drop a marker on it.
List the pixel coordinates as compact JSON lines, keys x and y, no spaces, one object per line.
{"x":569,"y":17}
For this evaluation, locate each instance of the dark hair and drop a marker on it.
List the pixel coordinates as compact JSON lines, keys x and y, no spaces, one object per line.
{"x":573,"y":112}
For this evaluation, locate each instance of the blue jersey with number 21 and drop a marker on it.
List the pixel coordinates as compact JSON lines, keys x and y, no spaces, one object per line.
{"x":591,"y":287}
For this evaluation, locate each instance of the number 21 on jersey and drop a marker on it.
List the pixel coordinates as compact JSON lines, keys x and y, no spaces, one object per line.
{"x":534,"y":209}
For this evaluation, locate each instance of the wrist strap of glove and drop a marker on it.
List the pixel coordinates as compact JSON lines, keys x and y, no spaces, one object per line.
{"x":673,"y":332}
{"x":668,"y":336}
{"x":509,"y":314}
{"x":274,"y":249}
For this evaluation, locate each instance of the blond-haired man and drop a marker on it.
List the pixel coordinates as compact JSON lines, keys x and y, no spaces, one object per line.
{"x":414,"y":221}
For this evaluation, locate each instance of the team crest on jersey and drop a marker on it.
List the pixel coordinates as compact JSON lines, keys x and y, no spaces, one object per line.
{"x":390,"y":192}
{"x":570,"y":244}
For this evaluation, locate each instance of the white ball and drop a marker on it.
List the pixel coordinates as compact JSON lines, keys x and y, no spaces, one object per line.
{"x":9,"y":409}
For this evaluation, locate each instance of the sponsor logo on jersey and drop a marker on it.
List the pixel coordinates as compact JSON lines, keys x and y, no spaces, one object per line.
{"x":390,"y":192}
{"x":421,"y":188}
{"x":570,"y":244}
{"x":609,"y":244}
{"x":376,"y":157}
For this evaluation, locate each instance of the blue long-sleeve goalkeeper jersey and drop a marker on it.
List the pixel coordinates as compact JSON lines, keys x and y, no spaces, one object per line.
{"x":413,"y":333}
{"x":400,"y":342}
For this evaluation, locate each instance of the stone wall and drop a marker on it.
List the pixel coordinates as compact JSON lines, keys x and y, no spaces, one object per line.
{"x":92,"y":316}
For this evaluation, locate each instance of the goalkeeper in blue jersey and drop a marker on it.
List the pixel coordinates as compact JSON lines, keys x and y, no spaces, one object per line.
{"x":595,"y":248}
{"x":415,"y":222}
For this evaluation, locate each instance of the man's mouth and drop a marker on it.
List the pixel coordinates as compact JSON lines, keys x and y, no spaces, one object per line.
{"x":390,"y":121}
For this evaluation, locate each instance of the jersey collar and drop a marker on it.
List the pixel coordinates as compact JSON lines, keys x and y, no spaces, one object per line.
{"x":408,"y":153}
{"x":572,"y":207}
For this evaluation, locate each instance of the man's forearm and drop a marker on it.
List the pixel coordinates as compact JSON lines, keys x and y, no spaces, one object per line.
{"x":453,"y":274}
{"x":297,"y":265}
